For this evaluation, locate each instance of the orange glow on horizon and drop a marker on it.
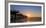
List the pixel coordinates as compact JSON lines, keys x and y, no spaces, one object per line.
{"x":28,"y":15}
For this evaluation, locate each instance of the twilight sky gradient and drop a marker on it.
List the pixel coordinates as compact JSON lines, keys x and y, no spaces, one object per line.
{"x":32,"y":11}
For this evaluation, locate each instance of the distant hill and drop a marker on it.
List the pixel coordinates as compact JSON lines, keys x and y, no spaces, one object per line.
{"x":16,"y":16}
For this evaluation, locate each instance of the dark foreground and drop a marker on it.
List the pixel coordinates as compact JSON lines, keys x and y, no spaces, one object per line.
{"x":32,"y":19}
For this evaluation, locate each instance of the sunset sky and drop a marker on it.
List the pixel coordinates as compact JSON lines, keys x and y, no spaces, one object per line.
{"x":30,"y":11}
